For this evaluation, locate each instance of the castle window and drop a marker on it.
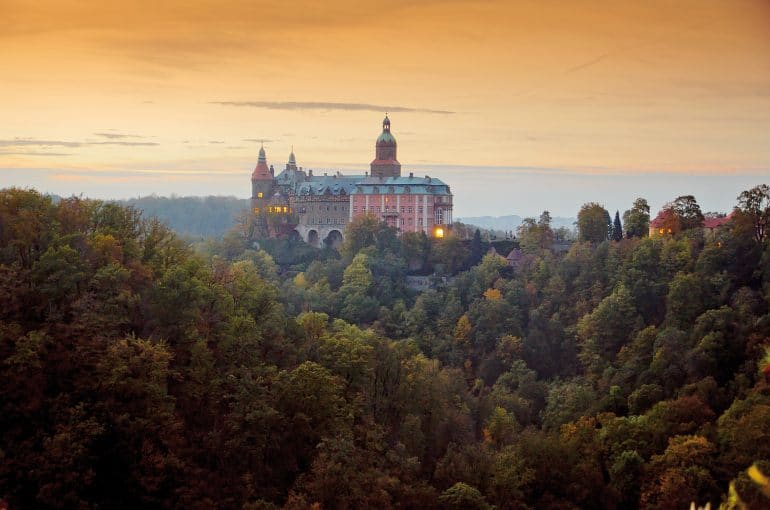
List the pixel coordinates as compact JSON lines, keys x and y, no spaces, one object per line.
{"x":256,"y":210}
{"x":402,"y":209}
{"x":355,"y":209}
{"x":419,"y":209}
{"x":259,"y":194}
{"x":410,"y":210}
{"x":439,"y":216}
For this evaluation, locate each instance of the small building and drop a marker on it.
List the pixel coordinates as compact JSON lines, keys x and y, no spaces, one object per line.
{"x":665,"y":223}
{"x":711,"y":224}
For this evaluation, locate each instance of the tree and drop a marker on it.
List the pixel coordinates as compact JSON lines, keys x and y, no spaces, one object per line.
{"x":536,"y":235}
{"x":755,"y":205}
{"x":617,"y":228}
{"x":476,"y":250}
{"x":637,"y":219}
{"x":463,"y":496}
{"x":688,"y":211}
{"x":594,"y":223}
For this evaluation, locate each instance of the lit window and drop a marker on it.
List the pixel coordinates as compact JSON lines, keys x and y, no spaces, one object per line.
{"x":662,"y":231}
{"x":438,"y":232}
{"x":259,"y":194}
{"x":256,"y":210}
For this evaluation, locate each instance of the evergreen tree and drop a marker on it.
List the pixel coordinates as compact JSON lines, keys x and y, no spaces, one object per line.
{"x":477,"y":249}
{"x":617,"y":228}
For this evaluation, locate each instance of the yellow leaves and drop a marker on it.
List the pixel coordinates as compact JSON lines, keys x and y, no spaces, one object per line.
{"x":493,"y":294}
{"x":300,"y":281}
{"x":757,"y":476}
{"x":760,"y":479}
{"x":462,"y":331}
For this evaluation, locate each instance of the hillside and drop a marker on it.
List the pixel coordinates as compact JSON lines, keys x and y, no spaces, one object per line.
{"x":209,"y":216}
{"x":511,"y":222}
{"x":628,"y":372}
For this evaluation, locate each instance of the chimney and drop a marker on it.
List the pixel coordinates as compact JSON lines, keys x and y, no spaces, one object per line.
{"x":326,"y":174}
{"x":272,"y":171}
{"x":411,"y":175}
{"x":310,"y":173}
{"x":366,"y":174}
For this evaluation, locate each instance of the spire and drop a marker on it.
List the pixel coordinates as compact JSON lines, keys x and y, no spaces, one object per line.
{"x":292,"y":158}
{"x":262,"y":157}
{"x":386,"y":123}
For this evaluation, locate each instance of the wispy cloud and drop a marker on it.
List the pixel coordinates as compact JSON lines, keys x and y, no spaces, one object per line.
{"x":29,"y":142}
{"x":32,"y":142}
{"x":116,"y":136}
{"x":258,"y":140}
{"x":33,"y":153}
{"x":127,"y":144}
{"x":313,"y":105}
{"x":586,"y":65}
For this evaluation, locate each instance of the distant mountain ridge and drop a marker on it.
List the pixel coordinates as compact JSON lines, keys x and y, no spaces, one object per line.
{"x":209,"y":216}
{"x":512,"y":222}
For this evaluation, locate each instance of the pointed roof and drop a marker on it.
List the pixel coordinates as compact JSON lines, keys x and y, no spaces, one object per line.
{"x":261,"y":171}
{"x":292,"y":158}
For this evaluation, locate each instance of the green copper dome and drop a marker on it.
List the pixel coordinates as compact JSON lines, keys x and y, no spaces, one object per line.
{"x":386,"y":137}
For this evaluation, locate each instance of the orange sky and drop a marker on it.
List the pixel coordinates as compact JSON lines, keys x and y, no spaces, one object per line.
{"x":142,"y":96}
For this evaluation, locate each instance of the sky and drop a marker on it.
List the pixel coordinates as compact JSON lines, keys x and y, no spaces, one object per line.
{"x":519,"y":105}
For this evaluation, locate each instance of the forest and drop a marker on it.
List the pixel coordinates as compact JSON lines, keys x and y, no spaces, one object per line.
{"x":143,"y":370}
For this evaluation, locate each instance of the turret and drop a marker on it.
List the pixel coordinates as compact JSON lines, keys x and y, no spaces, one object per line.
{"x":385,"y":163}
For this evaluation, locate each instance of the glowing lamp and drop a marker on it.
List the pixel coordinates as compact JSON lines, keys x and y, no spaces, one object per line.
{"x":439,"y":232}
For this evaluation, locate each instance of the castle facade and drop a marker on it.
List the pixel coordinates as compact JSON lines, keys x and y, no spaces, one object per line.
{"x":317,"y":208}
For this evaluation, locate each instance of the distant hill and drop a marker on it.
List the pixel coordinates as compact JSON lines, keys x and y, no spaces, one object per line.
{"x":512,"y":222}
{"x":210,"y":216}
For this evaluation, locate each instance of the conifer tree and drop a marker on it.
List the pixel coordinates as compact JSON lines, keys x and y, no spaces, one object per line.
{"x":617,"y":228}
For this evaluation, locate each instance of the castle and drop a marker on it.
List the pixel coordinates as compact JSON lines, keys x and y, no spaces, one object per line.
{"x":317,"y":208}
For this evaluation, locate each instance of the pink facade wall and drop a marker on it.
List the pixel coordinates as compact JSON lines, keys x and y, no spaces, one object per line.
{"x":409,"y":213}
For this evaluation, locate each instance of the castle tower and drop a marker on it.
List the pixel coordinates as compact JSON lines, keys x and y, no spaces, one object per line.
{"x":262,"y":183}
{"x":385,"y":163}
{"x":292,"y":164}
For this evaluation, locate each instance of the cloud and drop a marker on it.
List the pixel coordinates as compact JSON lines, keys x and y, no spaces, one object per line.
{"x":116,"y":136}
{"x":33,"y":153}
{"x":127,"y":144}
{"x":32,"y":142}
{"x":258,"y":140}
{"x":216,"y":141}
{"x":29,"y":142}
{"x":586,"y":64}
{"x":313,"y":105}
